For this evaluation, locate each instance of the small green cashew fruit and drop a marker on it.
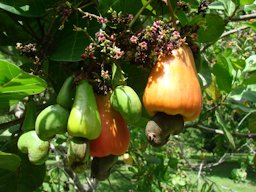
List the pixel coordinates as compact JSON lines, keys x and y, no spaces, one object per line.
{"x":77,"y":154}
{"x":51,"y":121}
{"x":125,"y":100}
{"x":37,"y":149}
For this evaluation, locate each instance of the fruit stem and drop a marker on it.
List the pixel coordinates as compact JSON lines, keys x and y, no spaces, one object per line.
{"x":138,"y":14}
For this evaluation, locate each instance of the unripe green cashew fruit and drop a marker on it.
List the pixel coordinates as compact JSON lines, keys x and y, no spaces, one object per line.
{"x":51,"y":121}
{"x":37,"y":149}
{"x":126,"y":101}
{"x":66,"y":94}
{"x":77,"y":151}
{"x":84,"y":119}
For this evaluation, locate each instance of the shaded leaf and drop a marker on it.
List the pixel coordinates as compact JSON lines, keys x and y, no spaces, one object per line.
{"x":71,"y":44}
{"x":9,"y":28}
{"x":9,"y":161}
{"x":126,"y":6}
{"x":27,"y":8}
{"x":28,"y":178}
{"x":227,"y":134}
{"x":212,"y":30}
{"x":223,"y":74}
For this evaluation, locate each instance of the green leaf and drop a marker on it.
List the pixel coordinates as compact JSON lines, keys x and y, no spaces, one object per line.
{"x":149,"y":7}
{"x":229,"y":6}
{"x":182,"y":17}
{"x":212,"y":30}
{"x":252,"y":25}
{"x":243,"y":94}
{"x":27,"y":8}
{"x":9,"y":28}
{"x":227,"y":134}
{"x":28,"y":177}
{"x":126,"y":6}
{"x":250,"y":78}
{"x":250,"y":64}
{"x":223,"y":74}
{"x":238,"y":64}
{"x":71,"y":44}
{"x":15,"y":84}
{"x":9,"y":161}
{"x":216,"y":5}
{"x":117,"y":75}
{"x":30,"y":116}
{"x":246,"y":2}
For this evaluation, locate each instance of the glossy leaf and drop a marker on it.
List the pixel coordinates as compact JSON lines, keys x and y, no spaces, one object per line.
{"x":212,"y":30}
{"x":246,"y":2}
{"x":223,"y":74}
{"x":9,"y":161}
{"x":227,"y":134}
{"x":27,"y":8}
{"x":16,"y":84}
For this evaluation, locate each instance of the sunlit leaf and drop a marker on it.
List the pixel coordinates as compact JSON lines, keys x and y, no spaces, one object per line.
{"x":252,"y":25}
{"x":16,"y":84}
{"x":246,"y":2}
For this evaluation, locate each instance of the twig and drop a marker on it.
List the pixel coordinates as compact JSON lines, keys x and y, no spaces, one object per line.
{"x":224,"y":35}
{"x":221,"y":160}
{"x":244,"y":17}
{"x":184,"y":157}
{"x":172,"y":14}
{"x":11,"y":123}
{"x":73,"y":176}
{"x":200,"y":169}
{"x":138,"y":14}
{"x":220,"y":132}
{"x":57,"y":159}
{"x":233,"y":31}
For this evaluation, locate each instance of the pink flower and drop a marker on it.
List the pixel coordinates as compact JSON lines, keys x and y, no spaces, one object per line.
{"x":102,"y":20}
{"x":101,"y":37}
{"x":176,"y":34}
{"x":117,"y":52}
{"x":143,"y":45}
{"x":134,"y":39}
{"x":156,"y":24}
{"x":169,"y":47}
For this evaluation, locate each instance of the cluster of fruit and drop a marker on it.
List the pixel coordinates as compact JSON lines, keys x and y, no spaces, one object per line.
{"x":96,"y":126}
